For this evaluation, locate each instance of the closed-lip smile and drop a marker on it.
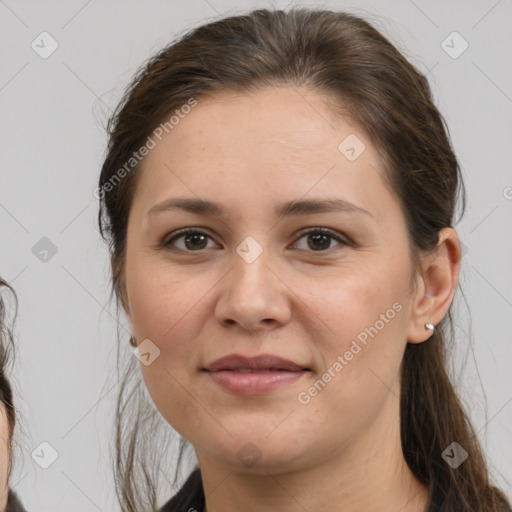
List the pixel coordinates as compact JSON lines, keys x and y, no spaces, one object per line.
{"x":256,"y":375}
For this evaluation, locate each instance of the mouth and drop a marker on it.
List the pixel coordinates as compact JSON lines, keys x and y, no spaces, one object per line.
{"x":258,"y":375}
{"x":264,"y":362}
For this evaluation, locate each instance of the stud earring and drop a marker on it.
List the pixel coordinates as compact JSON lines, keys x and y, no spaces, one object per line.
{"x":133,"y":343}
{"x":429,"y":326}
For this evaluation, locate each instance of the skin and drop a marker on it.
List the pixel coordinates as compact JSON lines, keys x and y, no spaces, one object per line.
{"x":5,"y":453}
{"x":302,"y":302}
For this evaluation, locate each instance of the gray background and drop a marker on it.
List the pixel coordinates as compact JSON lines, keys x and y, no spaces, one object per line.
{"x":52,"y":141}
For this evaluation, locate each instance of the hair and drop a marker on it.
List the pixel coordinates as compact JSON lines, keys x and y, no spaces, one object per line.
{"x":6,"y":356}
{"x":350,"y":63}
{"x":7,"y":353}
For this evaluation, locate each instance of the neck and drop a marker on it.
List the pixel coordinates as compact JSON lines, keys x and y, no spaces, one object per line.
{"x":370,"y":475}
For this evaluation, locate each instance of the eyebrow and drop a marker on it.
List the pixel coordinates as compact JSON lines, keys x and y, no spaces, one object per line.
{"x":288,"y":209}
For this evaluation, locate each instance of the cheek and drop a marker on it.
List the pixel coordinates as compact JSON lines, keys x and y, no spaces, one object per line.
{"x":163,"y":302}
{"x":356,"y":297}
{"x":168,"y":308}
{"x":364,"y":315}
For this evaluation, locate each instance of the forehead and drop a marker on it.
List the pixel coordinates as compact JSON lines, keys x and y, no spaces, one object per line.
{"x":273,"y":141}
{"x":282,"y":117}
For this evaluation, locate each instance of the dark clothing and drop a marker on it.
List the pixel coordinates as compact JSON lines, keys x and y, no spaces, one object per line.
{"x":190,"y":498}
{"x":13,"y":503}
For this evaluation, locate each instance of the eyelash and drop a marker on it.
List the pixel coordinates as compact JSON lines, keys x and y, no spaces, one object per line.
{"x":167,"y":243}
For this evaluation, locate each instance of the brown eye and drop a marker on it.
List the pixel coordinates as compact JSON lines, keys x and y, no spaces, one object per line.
{"x":193,"y":240}
{"x":319,"y":240}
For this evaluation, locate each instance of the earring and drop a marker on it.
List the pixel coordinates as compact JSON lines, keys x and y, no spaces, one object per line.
{"x":429,"y":326}
{"x":133,"y":343}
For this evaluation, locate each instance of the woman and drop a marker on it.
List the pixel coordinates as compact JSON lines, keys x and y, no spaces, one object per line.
{"x":279,"y":196}
{"x":9,"y":501}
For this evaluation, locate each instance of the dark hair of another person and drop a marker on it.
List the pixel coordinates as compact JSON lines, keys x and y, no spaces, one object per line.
{"x":6,"y":354}
{"x":366,"y":78}
{"x":6,"y":396}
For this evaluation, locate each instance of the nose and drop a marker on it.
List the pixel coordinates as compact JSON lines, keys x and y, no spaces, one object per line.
{"x":253,"y":295}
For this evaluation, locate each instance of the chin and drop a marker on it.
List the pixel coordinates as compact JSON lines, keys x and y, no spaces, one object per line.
{"x":259,"y":455}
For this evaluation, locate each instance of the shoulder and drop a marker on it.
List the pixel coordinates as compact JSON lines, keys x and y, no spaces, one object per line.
{"x":190,"y":498}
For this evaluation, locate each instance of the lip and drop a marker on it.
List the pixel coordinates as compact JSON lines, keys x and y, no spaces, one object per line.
{"x":260,"y":362}
{"x":254,"y":375}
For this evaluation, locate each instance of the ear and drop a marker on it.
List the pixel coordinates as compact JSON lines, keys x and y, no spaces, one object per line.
{"x":435,"y":289}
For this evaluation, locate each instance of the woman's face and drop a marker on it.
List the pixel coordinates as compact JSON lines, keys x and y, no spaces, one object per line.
{"x":256,"y":279}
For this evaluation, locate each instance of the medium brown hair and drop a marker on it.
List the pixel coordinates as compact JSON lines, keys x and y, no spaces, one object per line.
{"x":344,"y":58}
